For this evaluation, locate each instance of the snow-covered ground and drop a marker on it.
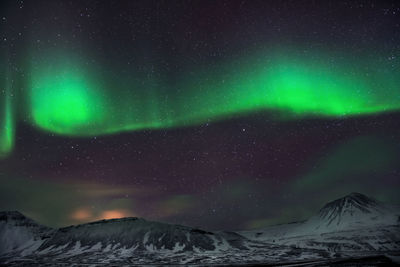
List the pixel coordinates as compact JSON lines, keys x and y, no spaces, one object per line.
{"x":353,"y":228}
{"x":352,"y":223}
{"x":19,"y":233}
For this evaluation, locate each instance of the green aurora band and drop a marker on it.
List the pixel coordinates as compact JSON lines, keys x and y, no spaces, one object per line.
{"x":7,"y":128}
{"x":69,"y":96}
{"x":63,"y":98}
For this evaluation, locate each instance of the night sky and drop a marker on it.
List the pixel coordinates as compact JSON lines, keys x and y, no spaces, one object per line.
{"x":215,"y":114}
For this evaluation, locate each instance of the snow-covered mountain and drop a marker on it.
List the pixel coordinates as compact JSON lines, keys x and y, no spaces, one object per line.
{"x":22,"y":239}
{"x":352,"y":212}
{"x":20,"y":234}
{"x":137,"y":234}
{"x":352,"y":223}
{"x":353,"y":226}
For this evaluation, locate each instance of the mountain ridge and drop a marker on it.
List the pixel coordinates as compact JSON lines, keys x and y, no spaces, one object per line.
{"x":354,"y":210}
{"x":334,"y":229}
{"x":354,"y":222}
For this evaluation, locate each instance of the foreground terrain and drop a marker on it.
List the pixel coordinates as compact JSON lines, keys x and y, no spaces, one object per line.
{"x":352,"y":230}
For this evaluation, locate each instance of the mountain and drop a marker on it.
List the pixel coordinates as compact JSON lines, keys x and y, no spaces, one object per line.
{"x":108,"y":240}
{"x":354,"y":228}
{"x":352,"y":223}
{"x":138,"y":234}
{"x":21,"y":234}
{"x":353,"y":211}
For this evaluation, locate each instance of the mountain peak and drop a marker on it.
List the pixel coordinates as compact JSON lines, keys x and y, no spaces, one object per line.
{"x":11,"y":215}
{"x":352,"y":210}
{"x":359,"y":197}
{"x":351,"y":203}
{"x":355,"y":194}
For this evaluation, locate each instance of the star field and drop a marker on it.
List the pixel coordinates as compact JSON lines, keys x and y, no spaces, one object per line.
{"x":219,"y":114}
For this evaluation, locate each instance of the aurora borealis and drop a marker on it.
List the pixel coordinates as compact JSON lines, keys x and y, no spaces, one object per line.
{"x":63,"y":99}
{"x":7,"y":133}
{"x":68,"y":98}
{"x":158,"y":109}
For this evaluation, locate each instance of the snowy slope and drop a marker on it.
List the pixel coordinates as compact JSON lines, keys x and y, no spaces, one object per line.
{"x":137,"y":234}
{"x":20,"y":234}
{"x":352,"y":223}
{"x":354,"y":226}
{"x":352,"y":212}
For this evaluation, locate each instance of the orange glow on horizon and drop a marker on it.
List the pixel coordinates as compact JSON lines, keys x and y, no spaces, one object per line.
{"x":81,"y":214}
{"x":114,"y":214}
